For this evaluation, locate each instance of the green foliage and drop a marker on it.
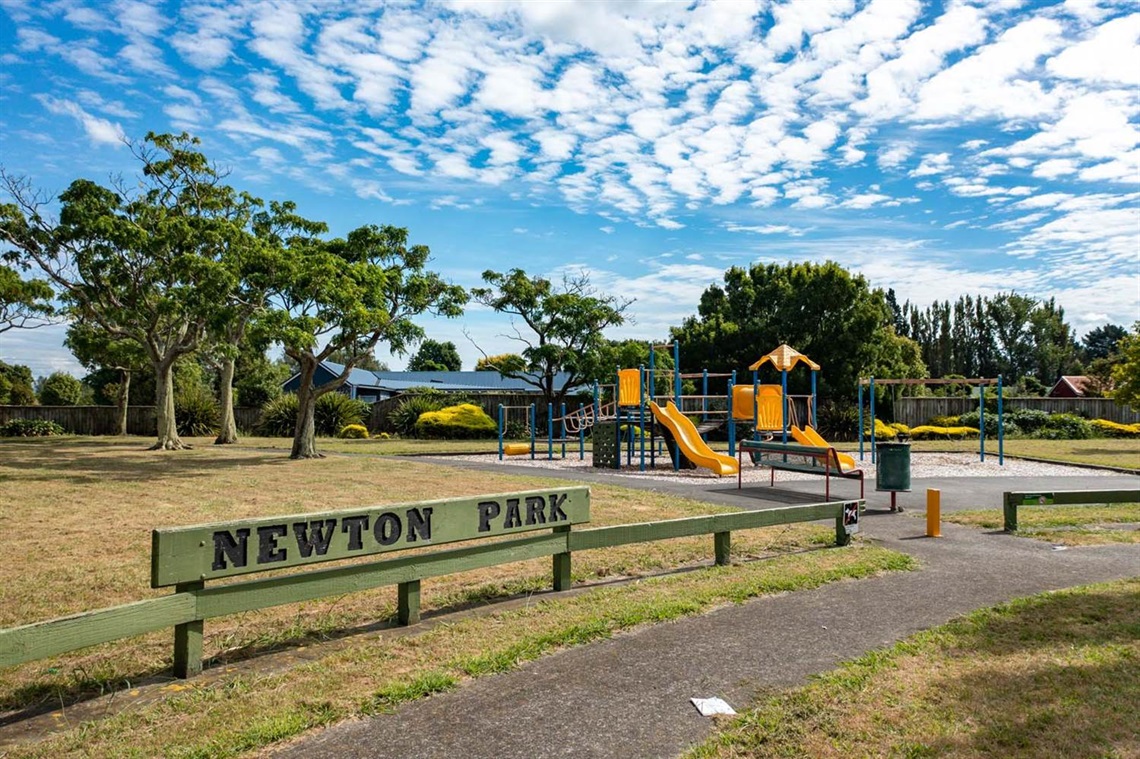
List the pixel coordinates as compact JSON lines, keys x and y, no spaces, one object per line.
{"x":61,"y":389}
{"x":1031,"y":387}
{"x":1103,"y":341}
{"x":24,"y":303}
{"x":504,"y":363}
{"x":359,"y":360}
{"x":971,"y":419}
{"x":943,"y":421}
{"x":353,"y":432}
{"x":564,"y":326}
{"x":258,"y":380}
{"x":196,"y":411}
{"x":333,"y":412}
{"x":1027,"y":420}
{"x":434,"y":356}
{"x":30,"y":428}
{"x":883,"y":431}
{"x":837,"y":420}
{"x":1126,"y":374}
{"x":822,"y":310}
{"x":16,"y":385}
{"x":456,"y":422}
{"x":1066,"y":427}
{"x":403,"y":418}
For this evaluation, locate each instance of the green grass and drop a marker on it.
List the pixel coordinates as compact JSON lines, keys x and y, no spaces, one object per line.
{"x":1065,"y":525}
{"x":1054,"y":675}
{"x":376,"y":672}
{"x":1113,"y":452}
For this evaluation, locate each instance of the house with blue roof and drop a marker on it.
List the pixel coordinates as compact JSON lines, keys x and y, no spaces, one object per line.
{"x":371,"y":386}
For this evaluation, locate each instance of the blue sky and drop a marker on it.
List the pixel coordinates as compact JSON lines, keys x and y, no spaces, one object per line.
{"x":939,"y":148}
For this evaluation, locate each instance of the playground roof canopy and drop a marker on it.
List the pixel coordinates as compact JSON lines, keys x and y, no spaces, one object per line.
{"x":784,"y":358}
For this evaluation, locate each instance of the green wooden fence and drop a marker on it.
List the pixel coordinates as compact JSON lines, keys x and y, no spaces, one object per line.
{"x":1011,"y":500}
{"x":187,"y":557}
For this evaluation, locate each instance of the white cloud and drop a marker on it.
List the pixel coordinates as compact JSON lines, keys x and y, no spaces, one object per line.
{"x":98,"y":130}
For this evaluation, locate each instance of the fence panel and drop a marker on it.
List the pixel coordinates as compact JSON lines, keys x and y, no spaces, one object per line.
{"x":915,"y":411}
{"x":103,"y":420}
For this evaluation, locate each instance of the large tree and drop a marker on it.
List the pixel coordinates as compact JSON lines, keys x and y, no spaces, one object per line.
{"x":348,"y":295}
{"x":561,"y":328}
{"x":1126,"y":373}
{"x":1101,"y":342}
{"x":144,"y":263}
{"x":434,"y":356}
{"x":24,"y":303}
{"x":821,"y":310}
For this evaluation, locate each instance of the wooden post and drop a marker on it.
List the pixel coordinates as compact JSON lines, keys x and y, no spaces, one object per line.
{"x":722,"y":543}
{"x":933,"y":513}
{"x":1009,"y":512}
{"x":408,"y":603}
{"x":188,"y":639}
{"x":841,"y":536}
{"x":561,"y":562}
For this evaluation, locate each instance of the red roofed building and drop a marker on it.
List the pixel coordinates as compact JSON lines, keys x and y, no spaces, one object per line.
{"x":1070,"y":386}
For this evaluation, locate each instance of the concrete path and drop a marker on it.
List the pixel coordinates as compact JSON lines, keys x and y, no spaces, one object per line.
{"x":629,"y":696}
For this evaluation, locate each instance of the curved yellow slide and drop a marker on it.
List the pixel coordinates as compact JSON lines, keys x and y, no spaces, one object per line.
{"x":689,"y":441}
{"x":808,"y":436}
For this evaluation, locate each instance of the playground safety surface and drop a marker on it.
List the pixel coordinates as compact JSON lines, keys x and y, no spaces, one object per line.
{"x":629,"y":696}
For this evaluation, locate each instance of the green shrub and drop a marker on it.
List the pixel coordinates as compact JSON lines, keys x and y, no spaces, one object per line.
{"x":1028,"y":420}
{"x":353,"y":432}
{"x":970,"y":419}
{"x":942,"y":421}
{"x":404,"y":417}
{"x":837,"y":421}
{"x":454,"y":422}
{"x":883,"y":431}
{"x":1066,"y":427}
{"x":196,"y":412}
{"x":61,"y":389}
{"x":30,"y":428}
{"x":334,"y":412}
{"x":900,"y":428}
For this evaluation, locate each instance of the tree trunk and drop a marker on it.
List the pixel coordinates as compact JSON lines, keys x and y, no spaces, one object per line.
{"x":168,"y":439}
{"x":227,"y":430}
{"x":305,"y":433}
{"x":123,"y":400}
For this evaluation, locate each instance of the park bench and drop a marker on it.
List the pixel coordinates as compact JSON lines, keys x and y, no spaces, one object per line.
{"x":821,"y":460}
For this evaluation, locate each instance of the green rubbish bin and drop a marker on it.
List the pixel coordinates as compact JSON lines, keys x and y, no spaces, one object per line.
{"x":892,"y":470}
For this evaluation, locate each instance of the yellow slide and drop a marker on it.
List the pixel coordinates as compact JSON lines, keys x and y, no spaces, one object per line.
{"x":808,"y":436}
{"x":689,"y":441}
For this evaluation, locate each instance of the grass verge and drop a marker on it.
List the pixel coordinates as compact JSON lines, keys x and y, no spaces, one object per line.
{"x":377,"y":672}
{"x":1064,"y":525}
{"x":1119,"y":453}
{"x":1054,"y":675}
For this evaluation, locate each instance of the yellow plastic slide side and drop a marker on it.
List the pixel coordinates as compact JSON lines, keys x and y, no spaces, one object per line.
{"x":808,"y":436}
{"x":690,"y":443}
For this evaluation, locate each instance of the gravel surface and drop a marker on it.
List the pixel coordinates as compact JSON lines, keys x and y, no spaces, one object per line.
{"x":922,"y":465}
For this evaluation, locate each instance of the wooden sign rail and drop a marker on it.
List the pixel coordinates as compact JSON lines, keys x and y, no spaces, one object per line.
{"x":188,"y":557}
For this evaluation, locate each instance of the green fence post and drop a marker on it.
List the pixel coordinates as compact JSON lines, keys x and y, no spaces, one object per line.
{"x":722,"y":543}
{"x":1009,"y":512}
{"x":561,"y":563}
{"x":841,"y":536}
{"x":188,"y":639}
{"x":408,"y":603}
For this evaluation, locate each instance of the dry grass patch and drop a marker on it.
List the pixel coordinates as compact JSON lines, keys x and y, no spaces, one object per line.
{"x":78,"y":515}
{"x":1055,"y":675}
{"x":1118,"y":453}
{"x":377,"y":671}
{"x":1064,"y":525}
{"x":391,"y":447}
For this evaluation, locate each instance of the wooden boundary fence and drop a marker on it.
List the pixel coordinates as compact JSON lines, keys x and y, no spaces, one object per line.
{"x":915,"y":411}
{"x":1011,"y":500}
{"x":193,"y":602}
{"x":104,"y":420}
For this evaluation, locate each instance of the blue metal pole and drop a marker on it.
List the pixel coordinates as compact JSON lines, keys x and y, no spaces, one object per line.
{"x":549,"y":431}
{"x":617,"y":417}
{"x":533,"y":423}
{"x":500,"y":432}
{"x":873,"y":448}
{"x":755,"y":405}
{"x":641,"y":411}
{"x":652,"y":370}
{"x":784,"y":405}
{"x":1001,"y":427}
{"x":731,"y":421}
{"x":814,"y":419}
{"x":597,"y":402}
{"x":705,"y":396}
{"x":562,"y":428}
{"x":981,"y":422}
{"x":677,"y":373}
{"x":581,"y":432}
{"x":860,"y":418}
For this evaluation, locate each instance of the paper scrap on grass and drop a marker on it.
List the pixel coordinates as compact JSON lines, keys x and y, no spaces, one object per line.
{"x":710,"y":706}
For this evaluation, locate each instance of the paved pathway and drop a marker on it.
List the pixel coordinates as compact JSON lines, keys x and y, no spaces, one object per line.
{"x":629,"y":696}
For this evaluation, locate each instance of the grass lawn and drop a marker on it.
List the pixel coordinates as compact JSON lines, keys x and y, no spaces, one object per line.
{"x":1064,"y":525}
{"x":1054,"y":675}
{"x":78,"y":514}
{"x":391,"y":447}
{"x":1115,"y":452}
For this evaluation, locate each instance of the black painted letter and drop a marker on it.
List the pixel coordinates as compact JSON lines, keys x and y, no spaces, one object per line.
{"x":354,"y":526}
{"x":419,"y":522}
{"x":227,"y":547}
{"x":387,"y":528}
{"x":514,"y":519}
{"x":488,"y":510}
{"x":267,"y":550}
{"x":322,"y":534}
{"x":534,"y":506}
{"x":556,"y":512}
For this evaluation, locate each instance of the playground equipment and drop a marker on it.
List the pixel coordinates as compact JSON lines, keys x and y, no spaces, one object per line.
{"x":769,"y":407}
{"x":981,"y":384}
{"x":690,"y":443}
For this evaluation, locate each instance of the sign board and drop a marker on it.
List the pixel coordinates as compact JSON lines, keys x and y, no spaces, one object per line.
{"x":851,"y":517}
{"x":1037,"y":499}
{"x":225,"y":549}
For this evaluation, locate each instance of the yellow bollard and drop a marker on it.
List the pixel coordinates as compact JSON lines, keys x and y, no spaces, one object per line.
{"x":933,"y":513}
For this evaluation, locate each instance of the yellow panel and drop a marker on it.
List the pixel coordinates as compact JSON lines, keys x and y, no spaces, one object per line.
{"x":629,"y":387}
{"x":767,"y":408}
